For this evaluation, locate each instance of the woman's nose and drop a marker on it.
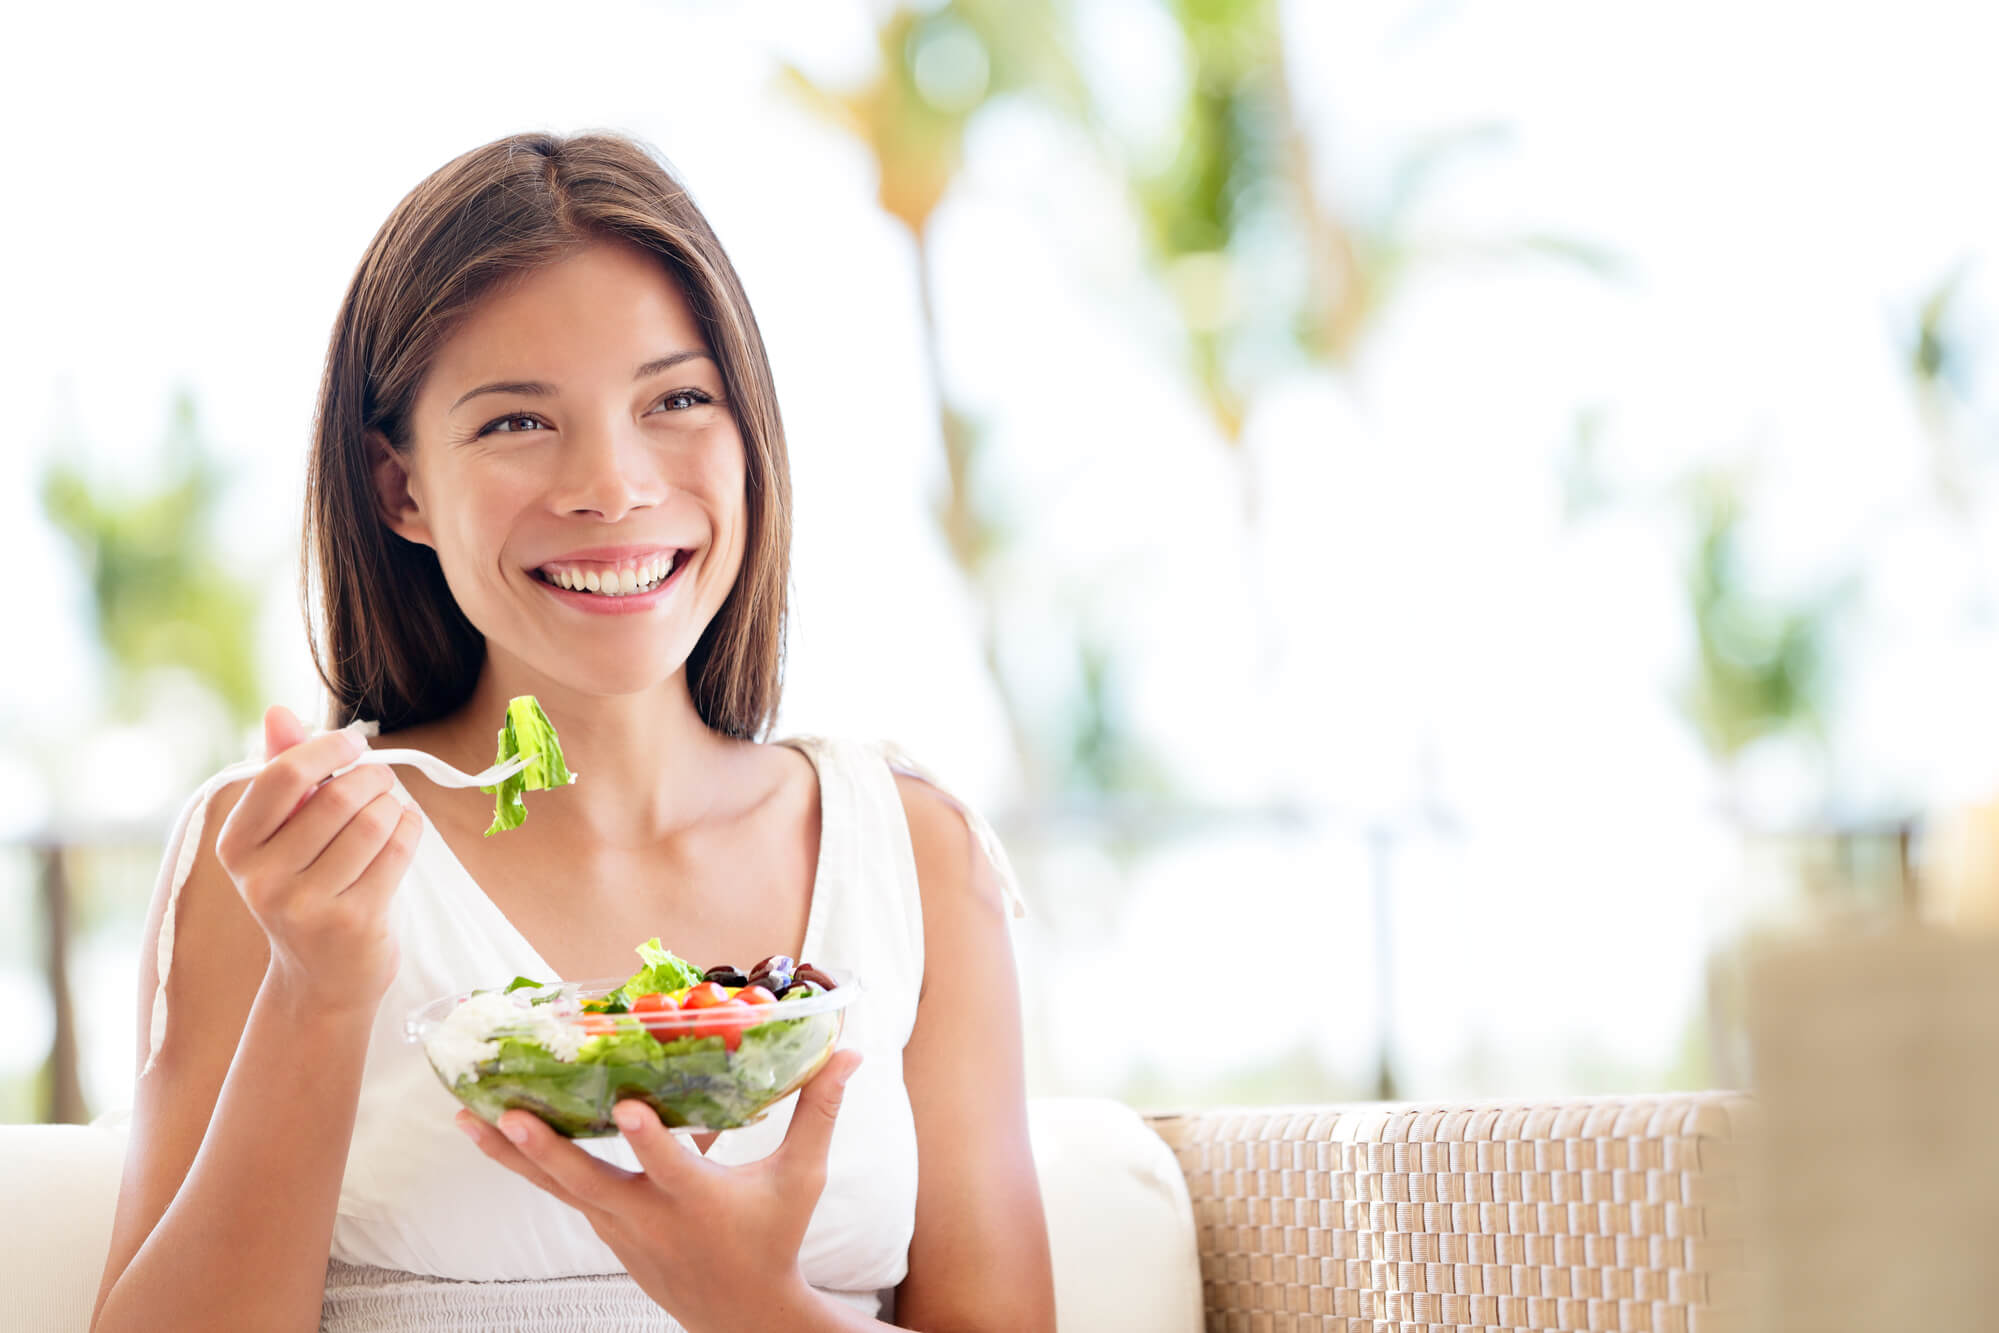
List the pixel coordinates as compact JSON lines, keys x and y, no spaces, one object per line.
{"x":606,"y":472}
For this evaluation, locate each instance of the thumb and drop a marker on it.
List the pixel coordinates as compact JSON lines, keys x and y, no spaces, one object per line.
{"x":811,"y":1133}
{"x":282,"y":730}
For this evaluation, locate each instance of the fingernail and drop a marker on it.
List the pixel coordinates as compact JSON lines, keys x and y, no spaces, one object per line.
{"x":627,"y":1116}
{"x":514,"y":1130}
{"x":471,"y":1130}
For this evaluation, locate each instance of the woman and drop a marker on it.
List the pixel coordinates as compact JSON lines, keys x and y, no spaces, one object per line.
{"x":548,"y":460}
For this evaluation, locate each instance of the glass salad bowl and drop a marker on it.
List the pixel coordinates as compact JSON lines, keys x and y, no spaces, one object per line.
{"x":719,"y":1063}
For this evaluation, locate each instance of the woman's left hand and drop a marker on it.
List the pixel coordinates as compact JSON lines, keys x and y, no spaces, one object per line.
{"x":716,"y":1246}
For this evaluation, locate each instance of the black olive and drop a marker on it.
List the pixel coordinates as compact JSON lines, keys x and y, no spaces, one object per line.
{"x":807,"y":972}
{"x":777,"y":962}
{"x":725,"y":975}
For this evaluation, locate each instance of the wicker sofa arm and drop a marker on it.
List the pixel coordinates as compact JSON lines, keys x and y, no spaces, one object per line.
{"x":1589,"y":1213}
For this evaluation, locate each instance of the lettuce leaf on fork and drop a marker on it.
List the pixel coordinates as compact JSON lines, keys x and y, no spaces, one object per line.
{"x":527,"y":732}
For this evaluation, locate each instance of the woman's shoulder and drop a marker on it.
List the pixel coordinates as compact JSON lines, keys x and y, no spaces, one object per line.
{"x":956,"y":849}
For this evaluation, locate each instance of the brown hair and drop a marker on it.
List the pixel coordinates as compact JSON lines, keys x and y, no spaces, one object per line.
{"x":390,"y":642}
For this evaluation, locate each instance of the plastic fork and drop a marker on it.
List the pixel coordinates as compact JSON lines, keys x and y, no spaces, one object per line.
{"x":443,"y":774}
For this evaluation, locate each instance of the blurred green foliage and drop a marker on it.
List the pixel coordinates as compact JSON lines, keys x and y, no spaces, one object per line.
{"x":938,"y":67}
{"x":1762,"y":666}
{"x":1241,"y":208}
{"x":161,"y":594}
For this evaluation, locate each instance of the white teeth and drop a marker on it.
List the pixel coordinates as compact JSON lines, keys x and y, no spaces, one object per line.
{"x":615,"y":582}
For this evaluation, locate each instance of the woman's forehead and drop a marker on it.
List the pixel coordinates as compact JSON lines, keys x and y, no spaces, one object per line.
{"x":596,"y":315}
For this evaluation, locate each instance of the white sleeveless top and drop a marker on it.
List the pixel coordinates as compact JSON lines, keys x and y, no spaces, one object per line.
{"x":419,"y":1199}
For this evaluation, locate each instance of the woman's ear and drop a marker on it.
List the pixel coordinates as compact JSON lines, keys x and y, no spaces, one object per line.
{"x":394,"y":499}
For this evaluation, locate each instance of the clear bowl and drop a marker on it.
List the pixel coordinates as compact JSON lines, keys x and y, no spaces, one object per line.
{"x":692,"y":1079}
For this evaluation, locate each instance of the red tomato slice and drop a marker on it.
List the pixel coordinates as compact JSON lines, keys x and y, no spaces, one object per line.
{"x":648,"y":1007}
{"x":726,"y":1021}
{"x":705,"y":996}
{"x":599,"y":1025}
{"x":756,"y":995}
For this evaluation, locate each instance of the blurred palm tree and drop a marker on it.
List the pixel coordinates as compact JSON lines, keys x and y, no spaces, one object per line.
{"x":162,"y":598}
{"x":1238,"y":205}
{"x":1241,"y":208}
{"x":938,"y":67}
{"x":1761,"y":670}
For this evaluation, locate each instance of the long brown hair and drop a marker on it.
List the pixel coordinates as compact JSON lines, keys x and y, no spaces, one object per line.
{"x":390,"y":641}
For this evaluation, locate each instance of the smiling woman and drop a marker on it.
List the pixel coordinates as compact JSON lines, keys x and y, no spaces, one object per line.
{"x":549,"y":461}
{"x":655,"y":455}
{"x":490,"y":225}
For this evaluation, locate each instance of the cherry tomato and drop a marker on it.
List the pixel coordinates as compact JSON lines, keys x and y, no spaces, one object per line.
{"x":727,"y":1021}
{"x":650,"y":1007}
{"x":705,"y":996}
{"x":599,"y":1025}
{"x":755,"y":995}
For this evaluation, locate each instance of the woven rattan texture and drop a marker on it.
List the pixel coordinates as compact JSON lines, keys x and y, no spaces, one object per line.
{"x":1610,"y":1214}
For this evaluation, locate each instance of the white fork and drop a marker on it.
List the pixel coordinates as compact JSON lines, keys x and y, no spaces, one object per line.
{"x":443,"y":774}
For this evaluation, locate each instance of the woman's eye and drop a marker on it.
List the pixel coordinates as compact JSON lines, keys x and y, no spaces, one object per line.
{"x":682,"y":399}
{"x":511,"y":425}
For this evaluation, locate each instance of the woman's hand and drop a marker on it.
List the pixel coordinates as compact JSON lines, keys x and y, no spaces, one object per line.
{"x":316,"y":862}
{"x":716,"y":1246}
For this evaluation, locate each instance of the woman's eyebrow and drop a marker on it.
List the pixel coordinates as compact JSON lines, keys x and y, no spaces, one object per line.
{"x":538,"y":389}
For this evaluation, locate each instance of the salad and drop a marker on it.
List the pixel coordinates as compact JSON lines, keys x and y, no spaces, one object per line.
{"x":707,"y":1050}
{"x":528,"y":732}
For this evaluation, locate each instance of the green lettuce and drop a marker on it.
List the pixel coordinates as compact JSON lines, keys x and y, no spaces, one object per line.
{"x":689,"y":1080}
{"x":664,"y":970}
{"x":527,"y":732}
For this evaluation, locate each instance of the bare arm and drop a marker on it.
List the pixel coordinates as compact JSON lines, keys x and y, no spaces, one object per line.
{"x":240,"y":1131}
{"x":979,"y":1258}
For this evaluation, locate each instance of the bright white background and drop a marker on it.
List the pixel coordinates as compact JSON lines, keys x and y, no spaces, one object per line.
{"x":193,"y":185}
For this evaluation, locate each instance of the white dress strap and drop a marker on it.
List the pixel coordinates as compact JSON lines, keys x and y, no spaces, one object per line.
{"x":982,"y":832}
{"x":182,"y":848}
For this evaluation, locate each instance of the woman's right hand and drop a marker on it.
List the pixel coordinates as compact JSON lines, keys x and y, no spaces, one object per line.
{"x":316,"y":862}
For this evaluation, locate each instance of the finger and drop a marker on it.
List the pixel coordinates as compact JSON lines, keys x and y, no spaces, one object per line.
{"x":665,"y":1159}
{"x":374,"y":886}
{"x":328,"y":813}
{"x":810,"y":1134}
{"x":594,"y":1184}
{"x":286,"y":781}
{"x":357,"y":843}
{"x":497,"y":1146}
{"x":282,"y":730}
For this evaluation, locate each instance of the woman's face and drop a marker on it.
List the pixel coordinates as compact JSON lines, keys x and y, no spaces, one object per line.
{"x":579,"y":473}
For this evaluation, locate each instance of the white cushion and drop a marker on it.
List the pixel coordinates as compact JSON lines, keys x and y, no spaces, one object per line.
{"x":1120,"y":1224}
{"x":55,"y":1225}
